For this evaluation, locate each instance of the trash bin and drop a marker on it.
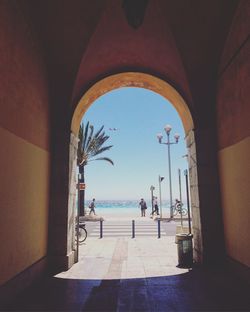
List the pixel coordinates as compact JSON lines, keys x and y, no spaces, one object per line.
{"x":185,"y":250}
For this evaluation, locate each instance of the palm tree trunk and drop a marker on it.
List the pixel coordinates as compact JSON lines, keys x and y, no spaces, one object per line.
{"x":82,"y":192}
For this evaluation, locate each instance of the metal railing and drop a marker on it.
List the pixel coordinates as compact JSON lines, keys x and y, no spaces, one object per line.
{"x":133,"y":229}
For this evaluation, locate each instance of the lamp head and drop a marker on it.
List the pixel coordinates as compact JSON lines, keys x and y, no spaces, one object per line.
{"x":176,"y":136}
{"x":167,"y":128}
{"x":159,"y":137}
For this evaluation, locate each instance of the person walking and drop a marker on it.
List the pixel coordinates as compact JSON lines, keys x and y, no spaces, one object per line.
{"x":143,"y":206}
{"x":92,"y":206}
{"x":155,"y":205}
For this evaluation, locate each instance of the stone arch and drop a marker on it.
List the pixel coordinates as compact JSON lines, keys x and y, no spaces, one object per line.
{"x":157,"y":85}
{"x":132,"y":79}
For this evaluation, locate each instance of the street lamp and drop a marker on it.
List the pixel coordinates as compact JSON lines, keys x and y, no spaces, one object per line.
{"x":152,"y":197}
{"x":168,"y":129}
{"x":160,"y":180}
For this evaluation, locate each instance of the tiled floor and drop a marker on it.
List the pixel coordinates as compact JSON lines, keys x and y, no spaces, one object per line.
{"x":124,"y":274}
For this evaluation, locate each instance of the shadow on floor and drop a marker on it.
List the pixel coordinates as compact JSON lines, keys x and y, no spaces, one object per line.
{"x":197,"y":290}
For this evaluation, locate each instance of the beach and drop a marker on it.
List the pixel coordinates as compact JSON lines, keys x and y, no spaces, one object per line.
{"x":124,"y":210}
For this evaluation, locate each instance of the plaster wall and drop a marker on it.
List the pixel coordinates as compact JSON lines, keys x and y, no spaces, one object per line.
{"x":233,"y":115}
{"x":235,"y":182}
{"x":24,"y":204}
{"x":24,"y":136}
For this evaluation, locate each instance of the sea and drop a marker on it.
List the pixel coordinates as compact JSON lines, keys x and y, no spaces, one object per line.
{"x":125,"y":208}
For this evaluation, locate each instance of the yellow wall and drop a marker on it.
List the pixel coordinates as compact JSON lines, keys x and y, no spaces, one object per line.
{"x":235,"y":191}
{"x":24,"y":195}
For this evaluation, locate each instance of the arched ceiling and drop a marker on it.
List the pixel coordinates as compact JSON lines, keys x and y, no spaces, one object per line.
{"x":84,"y":41}
{"x":115,"y":47}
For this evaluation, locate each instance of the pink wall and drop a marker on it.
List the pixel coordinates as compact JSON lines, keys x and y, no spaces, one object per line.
{"x":23,"y":80}
{"x":233,"y":113}
{"x":116,"y":47}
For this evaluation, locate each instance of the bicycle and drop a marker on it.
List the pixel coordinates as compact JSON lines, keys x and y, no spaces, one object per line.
{"x":178,"y":209}
{"x":82,"y":233}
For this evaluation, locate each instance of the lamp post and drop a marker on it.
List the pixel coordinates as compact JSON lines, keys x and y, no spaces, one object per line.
{"x":152,"y":197}
{"x":160,"y":180}
{"x":168,"y":129}
{"x":179,"y":174}
{"x":188,"y":206}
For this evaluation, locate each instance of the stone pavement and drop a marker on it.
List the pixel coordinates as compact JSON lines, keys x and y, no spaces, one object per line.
{"x":118,"y":273}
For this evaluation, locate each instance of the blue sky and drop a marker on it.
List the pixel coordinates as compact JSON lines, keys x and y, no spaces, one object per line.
{"x":139,"y":159}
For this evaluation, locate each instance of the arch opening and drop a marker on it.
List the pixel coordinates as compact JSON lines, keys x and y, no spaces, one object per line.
{"x":139,"y":80}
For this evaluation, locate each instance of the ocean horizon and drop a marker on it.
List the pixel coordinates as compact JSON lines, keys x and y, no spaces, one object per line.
{"x":122,"y":203}
{"x":125,"y":207}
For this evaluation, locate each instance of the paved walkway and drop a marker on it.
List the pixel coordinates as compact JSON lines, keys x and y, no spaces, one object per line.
{"x":123,"y":274}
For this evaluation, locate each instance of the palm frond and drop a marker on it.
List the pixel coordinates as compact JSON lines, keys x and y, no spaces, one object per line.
{"x":98,"y":132}
{"x":102,"y":139}
{"x":91,"y":144}
{"x":101,"y":150}
{"x":79,"y":150}
{"x":90,"y":136}
{"x":106,"y":159}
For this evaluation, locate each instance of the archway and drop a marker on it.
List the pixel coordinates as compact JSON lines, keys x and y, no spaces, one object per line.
{"x":140,"y":80}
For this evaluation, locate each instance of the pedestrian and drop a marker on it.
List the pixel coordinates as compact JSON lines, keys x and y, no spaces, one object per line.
{"x":143,"y":206}
{"x":92,"y":206}
{"x":155,"y":206}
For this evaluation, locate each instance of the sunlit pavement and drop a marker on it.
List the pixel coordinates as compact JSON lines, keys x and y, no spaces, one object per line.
{"x":121,"y":273}
{"x":119,"y":258}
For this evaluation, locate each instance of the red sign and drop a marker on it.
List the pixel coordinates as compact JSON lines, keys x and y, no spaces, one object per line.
{"x":82,"y":186}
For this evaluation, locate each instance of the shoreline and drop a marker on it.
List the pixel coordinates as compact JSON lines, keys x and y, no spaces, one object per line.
{"x":124,"y":214}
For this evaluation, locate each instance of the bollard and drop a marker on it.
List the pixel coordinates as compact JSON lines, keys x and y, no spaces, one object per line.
{"x":133,"y":228}
{"x":159,"y":228}
{"x":101,"y":228}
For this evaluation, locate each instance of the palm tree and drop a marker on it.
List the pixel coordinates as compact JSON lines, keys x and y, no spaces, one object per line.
{"x":89,"y":146}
